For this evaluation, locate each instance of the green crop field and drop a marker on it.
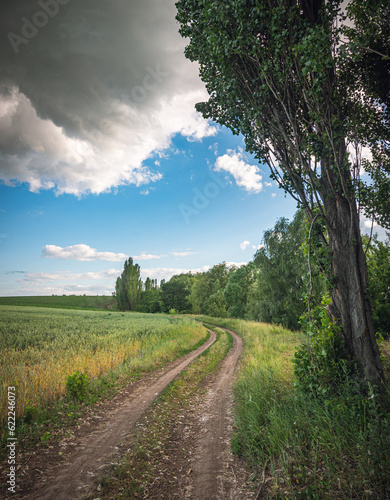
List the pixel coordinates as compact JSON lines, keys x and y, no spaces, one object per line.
{"x":40,"y":347}
{"x":63,"y":301}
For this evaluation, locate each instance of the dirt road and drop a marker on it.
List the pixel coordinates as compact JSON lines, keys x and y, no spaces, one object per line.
{"x":69,"y":475}
{"x":210,"y":478}
{"x":71,"y":468}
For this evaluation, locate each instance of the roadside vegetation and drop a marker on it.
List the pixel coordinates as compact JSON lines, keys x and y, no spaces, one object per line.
{"x":61,"y":361}
{"x":335,"y":446}
{"x":145,"y":469}
{"x":272,"y":288}
{"x":304,"y":420}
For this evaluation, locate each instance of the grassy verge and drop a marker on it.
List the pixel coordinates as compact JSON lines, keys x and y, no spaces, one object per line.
{"x":112,"y":349}
{"x":310,"y":449}
{"x":146,"y":463}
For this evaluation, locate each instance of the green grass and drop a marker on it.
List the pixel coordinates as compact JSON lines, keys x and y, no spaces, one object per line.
{"x":311,"y":449}
{"x":41,"y":347}
{"x":63,"y":301}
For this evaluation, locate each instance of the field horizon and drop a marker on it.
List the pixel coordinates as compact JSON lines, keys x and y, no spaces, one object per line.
{"x":62,"y":301}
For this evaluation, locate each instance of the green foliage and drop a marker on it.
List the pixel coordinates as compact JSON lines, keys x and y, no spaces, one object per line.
{"x":30,"y":412}
{"x":175,"y":293}
{"x":215,"y":305}
{"x":366,"y":71}
{"x":76,"y":385}
{"x":321,"y":363}
{"x":277,"y":295}
{"x":374,"y":196}
{"x":207,"y":290}
{"x":310,"y":448}
{"x":378,"y":264}
{"x":128,"y":287}
{"x":46,"y":437}
{"x":286,"y":76}
{"x":268,"y":67}
{"x":151,"y":301}
{"x":237,"y":290}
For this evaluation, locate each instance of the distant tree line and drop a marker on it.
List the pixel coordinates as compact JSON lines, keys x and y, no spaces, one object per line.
{"x":274,"y":287}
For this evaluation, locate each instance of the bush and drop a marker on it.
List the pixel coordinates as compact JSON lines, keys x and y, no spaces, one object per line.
{"x":76,"y":385}
{"x":321,"y":364}
{"x":30,"y":412}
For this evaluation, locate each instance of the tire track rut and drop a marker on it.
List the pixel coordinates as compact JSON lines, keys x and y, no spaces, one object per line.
{"x":210,"y":477}
{"x":83,"y":465}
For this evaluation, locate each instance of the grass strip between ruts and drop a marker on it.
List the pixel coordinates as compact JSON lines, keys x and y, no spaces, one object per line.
{"x":145,"y":464}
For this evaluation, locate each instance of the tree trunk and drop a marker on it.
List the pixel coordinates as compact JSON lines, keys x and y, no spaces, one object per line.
{"x":350,"y":306}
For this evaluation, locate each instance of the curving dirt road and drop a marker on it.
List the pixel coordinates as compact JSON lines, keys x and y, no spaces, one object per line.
{"x":69,"y":476}
{"x":70,"y":470}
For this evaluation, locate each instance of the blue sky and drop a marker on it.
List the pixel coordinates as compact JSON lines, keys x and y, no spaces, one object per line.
{"x":190,"y":219}
{"x":103,"y":156}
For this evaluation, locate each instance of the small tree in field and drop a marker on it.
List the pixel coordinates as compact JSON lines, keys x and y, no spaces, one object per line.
{"x":129,"y":286}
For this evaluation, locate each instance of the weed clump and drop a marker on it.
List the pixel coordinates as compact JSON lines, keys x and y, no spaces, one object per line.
{"x":321,"y":364}
{"x":76,"y":385}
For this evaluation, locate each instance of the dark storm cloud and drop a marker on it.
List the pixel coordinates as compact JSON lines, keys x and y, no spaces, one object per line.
{"x":87,"y":84}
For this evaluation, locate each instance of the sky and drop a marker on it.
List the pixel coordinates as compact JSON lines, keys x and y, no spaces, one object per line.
{"x":103,"y":156}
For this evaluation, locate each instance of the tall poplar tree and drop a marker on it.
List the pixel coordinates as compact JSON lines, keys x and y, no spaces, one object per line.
{"x":277,"y":72}
{"x":129,"y":286}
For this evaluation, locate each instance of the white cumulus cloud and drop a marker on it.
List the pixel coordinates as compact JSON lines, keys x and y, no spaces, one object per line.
{"x":244,"y":244}
{"x":182,"y":254}
{"x":67,"y":282}
{"x":80,"y":252}
{"x":86,"y":253}
{"x":246,"y":176}
{"x":147,"y":256}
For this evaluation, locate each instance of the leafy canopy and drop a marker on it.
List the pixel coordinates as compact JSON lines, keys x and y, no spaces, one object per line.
{"x":285,"y":74}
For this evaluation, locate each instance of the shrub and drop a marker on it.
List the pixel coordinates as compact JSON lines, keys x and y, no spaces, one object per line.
{"x":321,"y":364}
{"x":76,"y":385}
{"x":29,"y":412}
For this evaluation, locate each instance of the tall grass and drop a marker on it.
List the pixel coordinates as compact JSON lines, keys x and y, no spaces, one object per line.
{"x":335,"y":448}
{"x":40,"y":347}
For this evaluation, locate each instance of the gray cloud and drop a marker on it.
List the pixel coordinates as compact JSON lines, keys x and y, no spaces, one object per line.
{"x":89,"y":89}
